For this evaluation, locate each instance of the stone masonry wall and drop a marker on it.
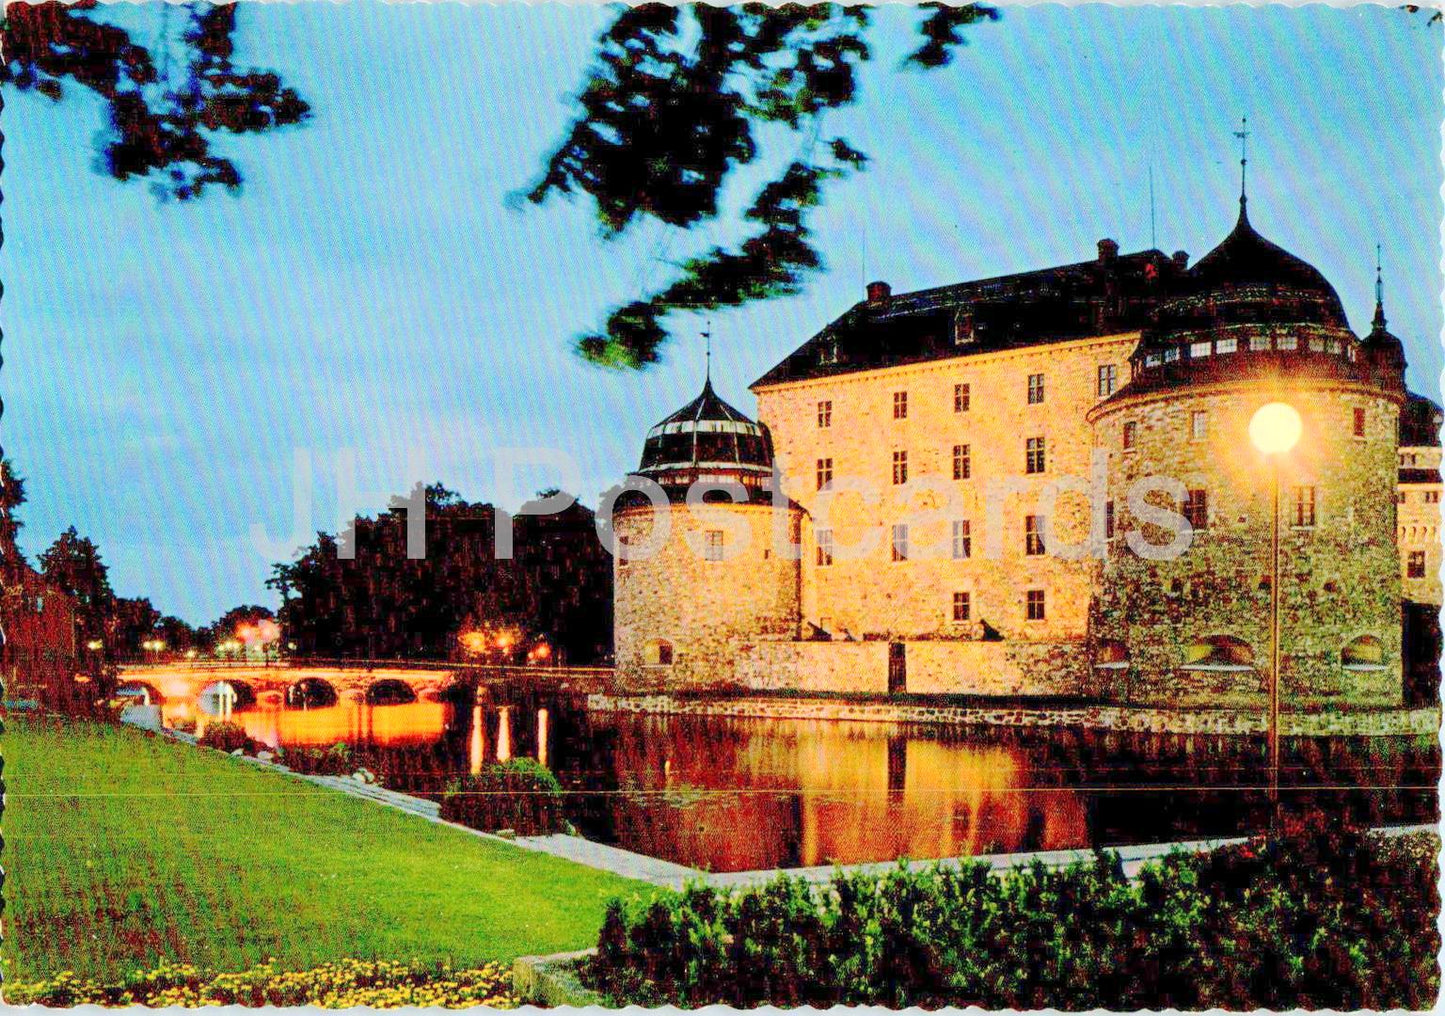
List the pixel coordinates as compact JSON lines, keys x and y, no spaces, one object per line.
{"x":702,"y":608}
{"x":1339,"y":578}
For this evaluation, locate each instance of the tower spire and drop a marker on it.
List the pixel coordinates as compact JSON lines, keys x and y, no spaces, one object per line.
{"x":1243,"y":135}
{"x":1379,"y":291}
{"x":707,"y":355}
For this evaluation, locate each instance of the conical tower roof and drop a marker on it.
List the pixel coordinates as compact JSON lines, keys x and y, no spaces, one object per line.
{"x":707,"y":439}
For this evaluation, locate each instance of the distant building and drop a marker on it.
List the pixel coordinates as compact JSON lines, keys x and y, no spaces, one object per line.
{"x":914,"y":436}
{"x":39,"y":659}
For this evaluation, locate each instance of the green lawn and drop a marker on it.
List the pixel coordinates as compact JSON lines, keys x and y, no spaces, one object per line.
{"x":123,"y":849}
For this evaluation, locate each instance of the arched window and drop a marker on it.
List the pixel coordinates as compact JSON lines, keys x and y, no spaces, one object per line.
{"x":1112,"y":655}
{"x":659,"y":653}
{"x":1364,"y":653}
{"x":1219,"y":652}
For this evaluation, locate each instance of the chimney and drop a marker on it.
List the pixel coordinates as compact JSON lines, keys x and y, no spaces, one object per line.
{"x":1181,"y":260}
{"x":878,"y":293}
{"x":1108,"y":250}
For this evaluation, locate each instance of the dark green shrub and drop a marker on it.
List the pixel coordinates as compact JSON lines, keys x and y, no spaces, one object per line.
{"x":1319,"y":919}
{"x":224,"y":735}
{"x":520,"y":794}
{"x":335,"y":760}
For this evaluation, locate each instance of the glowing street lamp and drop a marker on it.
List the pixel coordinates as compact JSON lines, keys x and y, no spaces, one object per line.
{"x":1275,"y":429}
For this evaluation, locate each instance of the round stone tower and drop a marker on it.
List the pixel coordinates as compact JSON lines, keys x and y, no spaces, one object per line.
{"x":706,"y":562}
{"x":1250,"y":324}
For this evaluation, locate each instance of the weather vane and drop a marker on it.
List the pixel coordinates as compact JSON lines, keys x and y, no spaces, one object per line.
{"x":1243,"y":135}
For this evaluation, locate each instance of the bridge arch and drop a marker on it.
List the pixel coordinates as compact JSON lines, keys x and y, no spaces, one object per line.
{"x":311,"y":693}
{"x":390,"y":691}
{"x":141,"y":691}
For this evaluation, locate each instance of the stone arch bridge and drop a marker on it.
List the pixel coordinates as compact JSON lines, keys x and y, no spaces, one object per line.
{"x":319,"y":684}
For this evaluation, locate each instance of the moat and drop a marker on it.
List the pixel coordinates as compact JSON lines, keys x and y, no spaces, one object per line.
{"x":732,"y":794}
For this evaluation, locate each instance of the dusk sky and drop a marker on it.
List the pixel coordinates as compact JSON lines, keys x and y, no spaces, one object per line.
{"x":372,"y":288}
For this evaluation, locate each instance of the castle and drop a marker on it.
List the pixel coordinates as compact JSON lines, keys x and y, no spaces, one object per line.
{"x":958,"y":491}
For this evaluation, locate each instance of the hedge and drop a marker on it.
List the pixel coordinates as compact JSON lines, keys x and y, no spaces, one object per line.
{"x":1316,"y":919}
{"x":520,"y":794}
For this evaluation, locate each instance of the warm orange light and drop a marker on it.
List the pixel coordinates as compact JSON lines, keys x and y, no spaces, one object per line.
{"x":473,"y":641}
{"x":1275,"y":428}
{"x":543,"y":651}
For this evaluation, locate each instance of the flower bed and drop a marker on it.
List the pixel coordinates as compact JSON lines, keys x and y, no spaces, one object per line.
{"x":1318,"y":919}
{"x":377,"y":984}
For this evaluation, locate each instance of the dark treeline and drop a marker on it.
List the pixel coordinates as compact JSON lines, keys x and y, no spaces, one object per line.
{"x":550,"y":603}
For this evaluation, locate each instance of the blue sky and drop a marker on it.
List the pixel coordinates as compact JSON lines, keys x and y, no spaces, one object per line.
{"x":371,"y":287}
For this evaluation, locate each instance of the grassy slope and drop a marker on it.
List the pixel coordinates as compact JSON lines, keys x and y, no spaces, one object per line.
{"x":123,"y":849}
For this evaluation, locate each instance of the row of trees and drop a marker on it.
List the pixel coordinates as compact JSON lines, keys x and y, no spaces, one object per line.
{"x":550,"y":602}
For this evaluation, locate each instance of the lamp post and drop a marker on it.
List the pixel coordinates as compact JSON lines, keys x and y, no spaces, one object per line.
{"x":1274,"y":429}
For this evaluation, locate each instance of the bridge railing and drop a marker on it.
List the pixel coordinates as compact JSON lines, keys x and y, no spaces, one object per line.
{"x":351,"y":663}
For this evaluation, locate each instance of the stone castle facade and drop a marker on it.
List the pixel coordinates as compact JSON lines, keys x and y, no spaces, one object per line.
{"x":961,"y":491}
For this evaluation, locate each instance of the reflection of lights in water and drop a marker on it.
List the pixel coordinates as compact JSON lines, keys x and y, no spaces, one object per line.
{"x":542,"y":719}
{"x":504,"y":733}
{"x":477,"y":745}
{"x":218,"y":700}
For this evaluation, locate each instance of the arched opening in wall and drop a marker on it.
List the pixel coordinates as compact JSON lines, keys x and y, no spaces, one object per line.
{"x":1219,"y":652}
{"x":140,"y":693}
{"x":390,"y":692}
{"x":459,"y":693}
{"x":310,"y":693}
{"x":659,"y":653}
{"x":1364,"y":653}
{"x":1111,"y":655}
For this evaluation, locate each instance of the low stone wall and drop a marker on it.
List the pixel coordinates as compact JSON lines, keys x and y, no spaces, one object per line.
{"x":995,"y":668}
{"x":1122,"y":718}
{"x":813,"y":666}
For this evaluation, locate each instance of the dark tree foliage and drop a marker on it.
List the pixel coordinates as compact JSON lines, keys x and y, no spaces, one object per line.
{"x":672,"y":105}
{"x":73,"y":564}
{"x":161,"y":129}
{"x":381,"y":604}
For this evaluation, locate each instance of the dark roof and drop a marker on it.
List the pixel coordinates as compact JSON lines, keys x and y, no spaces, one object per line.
{"x":1420,"y":420}
{"x":707,"y":439}
{"x":1111,"y":294}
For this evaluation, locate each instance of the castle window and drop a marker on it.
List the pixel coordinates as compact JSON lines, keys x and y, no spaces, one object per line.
{"x":1111,"y":655}
{"x":1034,"y":455}
{"x":1432,"y":497}
{"x":1171,"y":354}
{"x":1198,"y":350}
{"x":1415,"y":565}
{"x":1034,"y":605}
{"x":1108,"y":520}
{"x":1196,"y":509}
{"x":825,"y":547}
{"x":962,"y":539}
{"x":900,"y":405}
{"x":825,"y":474}
{"x":1036,"y":389}
{"x":960,"y":398}
{"x":1364,"y":653}
{"x":622,"y":541}
{"x":1401,"y":497}
{"x":1033,"y":535}
{"x":1131,"y":429}
{"x":962,"y":462}
{"x":713,"y":547}
{"x":1108,"y":379}
{"x":960,"y":607}
{"x":900,"y":542}
{"x":962,"y":327}
{"x":658,"y":653}
{"x":1226,"y":346}
{"x":1152,"y":360}
{"x":900,"y":467}
{"x":825,"y":413}
{"x":1219,"y":652}
{"x":1359,"y":421}
{"x":1332,"y":346}
{"x":1285,"y":342}
{"x":1304,"y":507}
{"x":1198,"y":424}
{"x":828,"y":352}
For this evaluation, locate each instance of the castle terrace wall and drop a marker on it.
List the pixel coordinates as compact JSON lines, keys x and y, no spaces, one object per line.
{"x":813,"y":666}
{"x":1422,"y":722}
